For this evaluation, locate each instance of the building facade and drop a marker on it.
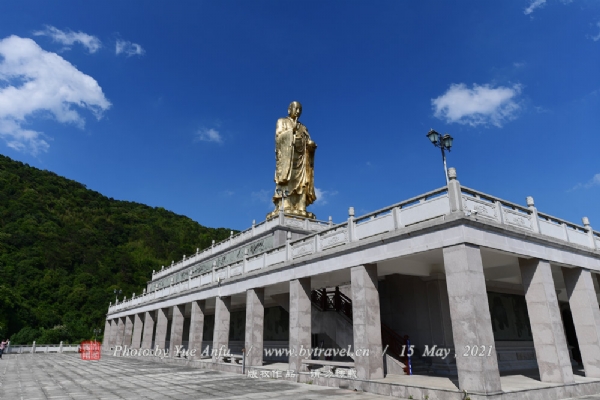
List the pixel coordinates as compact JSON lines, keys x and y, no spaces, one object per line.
{"x":477,"y":285}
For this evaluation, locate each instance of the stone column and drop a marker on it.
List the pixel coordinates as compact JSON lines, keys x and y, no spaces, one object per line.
{"x":471,"y":320}
{"x":176,"y":329}
{"x":221,"y":332}
{"x":120,"y":331}
{"x":162,"y":320}
{"x":586,"y":317}
{"x":366,"y":322}
{"x":546,"y":322}
{"x":128,"y":330}
{"x":149,"y":320}
{"x":136,"y":341}
{"x":114,"y":328}
{"x":197,"y":326}
{"x":300,"y":322}
{"x":255,"y":322}
{"x":106,"y":338}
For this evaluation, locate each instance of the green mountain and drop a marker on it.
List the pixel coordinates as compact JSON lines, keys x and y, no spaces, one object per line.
{"x":65,"y":248}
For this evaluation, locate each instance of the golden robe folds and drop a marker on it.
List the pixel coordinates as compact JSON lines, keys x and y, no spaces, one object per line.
{"x":294,"y":172}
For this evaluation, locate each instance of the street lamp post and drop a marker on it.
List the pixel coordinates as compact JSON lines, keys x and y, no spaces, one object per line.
{"x":96,"y":333}
{"x":284,"y":194}
{"x":444,"y":143}
{"x":117,"y":292}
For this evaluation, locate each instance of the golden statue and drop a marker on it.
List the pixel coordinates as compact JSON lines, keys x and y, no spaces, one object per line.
{"x":294,"y":169}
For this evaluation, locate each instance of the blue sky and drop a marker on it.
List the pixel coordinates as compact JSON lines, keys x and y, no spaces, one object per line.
{"x":174,"y":104}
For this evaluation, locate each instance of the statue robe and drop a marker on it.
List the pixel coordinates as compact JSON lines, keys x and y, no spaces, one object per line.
{"x":294,"y":156}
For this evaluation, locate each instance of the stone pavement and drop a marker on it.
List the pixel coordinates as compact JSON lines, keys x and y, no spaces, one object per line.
{"x":66,"y":376}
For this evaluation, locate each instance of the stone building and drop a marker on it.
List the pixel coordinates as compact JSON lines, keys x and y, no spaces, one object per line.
{"x":483,"y":288}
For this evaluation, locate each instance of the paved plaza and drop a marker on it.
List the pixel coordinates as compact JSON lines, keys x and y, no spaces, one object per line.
{"x":66,"y":376}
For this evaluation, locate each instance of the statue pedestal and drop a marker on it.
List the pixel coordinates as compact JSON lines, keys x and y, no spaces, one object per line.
{"x":292,"y":213}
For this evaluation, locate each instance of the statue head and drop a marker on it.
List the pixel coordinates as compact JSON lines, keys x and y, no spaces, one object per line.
{"x":295,"y":109}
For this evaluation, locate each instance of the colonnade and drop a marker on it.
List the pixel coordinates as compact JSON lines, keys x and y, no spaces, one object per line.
{"x":137,"y":330}
{"x":469,"y":314}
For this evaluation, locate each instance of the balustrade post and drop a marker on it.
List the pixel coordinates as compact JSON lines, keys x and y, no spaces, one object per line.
{"x":589,"y":231}
{"x":288,"y":246}
{"x":281,"y":213}
{"x":454,"y":191}
{"x":535,"y":221}
{"x":253,"y":227}
{"x":396,"y":211}
{"x":336,"y":299}
{"x":566,"y":231}
{"x":500,"y":211}
{"x":245,"y":260}
{"x":351,"y":224}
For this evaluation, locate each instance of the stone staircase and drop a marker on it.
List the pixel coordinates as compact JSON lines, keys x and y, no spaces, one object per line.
{"x":334,"y":300}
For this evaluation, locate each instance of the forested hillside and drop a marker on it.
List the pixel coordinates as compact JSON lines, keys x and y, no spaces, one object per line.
{"x":65,"y":248}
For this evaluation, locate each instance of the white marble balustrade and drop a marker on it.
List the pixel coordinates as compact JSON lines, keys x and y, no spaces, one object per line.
{"x":429,"y":206}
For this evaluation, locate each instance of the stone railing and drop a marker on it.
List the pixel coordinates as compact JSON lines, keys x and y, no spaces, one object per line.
{"x":528,"y":218}
{"x":425,"y":207}
{"x":434,"y":205}
{"x":240,"y":237}
{"x":42,"y":348}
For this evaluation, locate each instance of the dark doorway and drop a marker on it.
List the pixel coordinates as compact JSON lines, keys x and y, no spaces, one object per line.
{"x":571,"y":335}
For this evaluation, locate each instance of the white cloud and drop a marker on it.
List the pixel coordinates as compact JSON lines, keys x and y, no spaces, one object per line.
{"x":533,"y":5}
{"x":595,"y":181}
{"x":263,"y":196}
{"x":35,"y":82}
{"x":597,"y":37}
{"x":92,"y":43}
{"x":209,"y":135}
{"x":323,"y":196}
{"x":128,"y":48}
{"x":481,"y":105}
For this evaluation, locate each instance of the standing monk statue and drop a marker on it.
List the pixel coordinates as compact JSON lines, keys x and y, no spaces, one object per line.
{"x":294,"y":170}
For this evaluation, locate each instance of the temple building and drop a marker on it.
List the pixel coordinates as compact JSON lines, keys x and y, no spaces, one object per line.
{"x":478,"y":287}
